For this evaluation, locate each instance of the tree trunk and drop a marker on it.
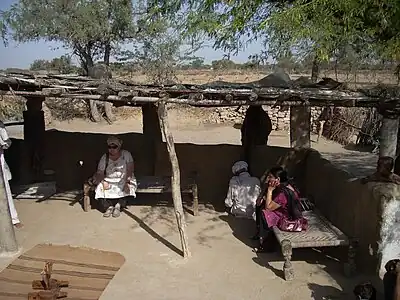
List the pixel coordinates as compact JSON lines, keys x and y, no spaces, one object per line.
{"x":107,"y":52}
{"x":388,"y":136}
{"x":87,"y":64}
{"x":94,"y":112}
{"x":175,"y":180}
{"x":8,"y":241}
{"x":108,"y":105}
{"x":315,"y":69}
{"x":109,"y":113}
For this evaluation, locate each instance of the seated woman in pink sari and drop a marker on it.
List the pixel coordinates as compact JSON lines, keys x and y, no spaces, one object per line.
{"x":280,"y":201}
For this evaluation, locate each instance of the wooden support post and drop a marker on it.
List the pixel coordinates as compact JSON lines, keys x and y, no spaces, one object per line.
{"x":152,"y":134}
{"x":176,"y":178}
{"x":8,"y":241}
{"x":300,"y":126}
{"x":388,"y":136}
{"x":34,"y":132}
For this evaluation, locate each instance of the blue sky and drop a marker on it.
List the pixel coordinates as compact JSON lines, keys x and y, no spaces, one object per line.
{"x":22,"y":55}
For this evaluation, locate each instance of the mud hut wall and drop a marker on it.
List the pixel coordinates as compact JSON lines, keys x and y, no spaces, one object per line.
{"x":212,"y":165}
{"x":355,"y":208}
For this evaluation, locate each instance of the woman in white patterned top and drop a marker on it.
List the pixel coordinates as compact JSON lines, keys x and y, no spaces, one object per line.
{"x":115,"y":178}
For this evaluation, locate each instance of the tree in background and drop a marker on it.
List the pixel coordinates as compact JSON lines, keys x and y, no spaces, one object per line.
{"x":160,"y":50}
{"x":307,"y":28}
{"x":223,"y":64}
{"x":91,"y":29}
{"x":62,"y":65}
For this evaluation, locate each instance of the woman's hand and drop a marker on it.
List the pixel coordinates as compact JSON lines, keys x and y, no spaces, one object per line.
{"x":272,"y":184}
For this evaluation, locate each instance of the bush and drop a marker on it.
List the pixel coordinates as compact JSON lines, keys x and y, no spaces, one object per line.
{"x":11,"y":108}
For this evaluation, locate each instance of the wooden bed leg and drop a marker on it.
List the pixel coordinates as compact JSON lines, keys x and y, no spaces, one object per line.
{"x":195,"y":196}
{"x":350,"y":267}
{"x":86,"y":197}
{"x":288,"y":270}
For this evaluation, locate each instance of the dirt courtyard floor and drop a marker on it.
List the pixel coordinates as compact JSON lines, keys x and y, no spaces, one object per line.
{"x":222,"y":265}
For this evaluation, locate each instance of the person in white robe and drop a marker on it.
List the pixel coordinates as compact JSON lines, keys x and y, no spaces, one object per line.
{"x":243,"y":192}
{"x":5,"y":143}
{"x":115,"y":178}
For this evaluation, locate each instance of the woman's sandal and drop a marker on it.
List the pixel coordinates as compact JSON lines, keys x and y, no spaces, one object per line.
{"x":259,"y":250}
{"x":268,"y":249}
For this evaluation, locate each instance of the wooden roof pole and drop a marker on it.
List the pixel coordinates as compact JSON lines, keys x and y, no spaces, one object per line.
{"x":176,"y":177}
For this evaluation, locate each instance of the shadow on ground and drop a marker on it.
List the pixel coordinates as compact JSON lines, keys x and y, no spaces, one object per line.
{"x":329,"y":260}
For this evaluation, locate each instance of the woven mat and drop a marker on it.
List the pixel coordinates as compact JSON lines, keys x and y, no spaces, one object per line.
{"x":88,"y":271}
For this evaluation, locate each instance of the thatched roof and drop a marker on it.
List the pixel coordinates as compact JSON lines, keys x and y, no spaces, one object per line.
{"x":270,"y":90}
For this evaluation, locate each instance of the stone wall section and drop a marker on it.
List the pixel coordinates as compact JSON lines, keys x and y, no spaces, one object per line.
{"x":280,"y":117}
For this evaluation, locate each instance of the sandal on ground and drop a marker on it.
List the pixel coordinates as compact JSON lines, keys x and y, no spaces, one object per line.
{"x":108,"y":212}
{"x":269,"y":249}
{"x":116,"y":212}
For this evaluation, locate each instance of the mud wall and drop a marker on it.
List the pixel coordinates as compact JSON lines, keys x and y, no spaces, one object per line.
{"x":211,"y":163}
{"x":358,"y":210}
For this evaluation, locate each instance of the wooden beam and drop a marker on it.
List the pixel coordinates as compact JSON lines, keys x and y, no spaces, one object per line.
{"x":8,"y":241}
{"x":272,"y":96}
{"x":388,"y":136}
{"x":176,"y":178}
{"x":300,"y":127}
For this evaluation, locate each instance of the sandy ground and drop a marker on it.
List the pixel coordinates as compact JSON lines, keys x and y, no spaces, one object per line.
{"x":223,"y":265}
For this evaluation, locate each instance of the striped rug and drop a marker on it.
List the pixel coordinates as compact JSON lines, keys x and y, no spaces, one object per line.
{"x":88,"y":271}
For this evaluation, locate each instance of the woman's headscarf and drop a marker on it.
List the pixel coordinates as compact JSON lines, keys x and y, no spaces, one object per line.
{"x":239,"y":166}
{"x":113,"y":140}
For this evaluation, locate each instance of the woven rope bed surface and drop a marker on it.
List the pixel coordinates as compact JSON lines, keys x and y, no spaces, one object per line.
{"x":320,"y":233}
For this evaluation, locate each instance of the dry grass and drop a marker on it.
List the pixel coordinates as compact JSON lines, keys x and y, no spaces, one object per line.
{"x":11,"y":108}
{"x":345,"y":125}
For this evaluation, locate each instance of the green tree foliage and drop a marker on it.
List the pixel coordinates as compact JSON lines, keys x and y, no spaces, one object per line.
{"x":223,"y":64}
{"x":93,"y":29}
{"x":61,"y":65}
{"x":317,"y":26}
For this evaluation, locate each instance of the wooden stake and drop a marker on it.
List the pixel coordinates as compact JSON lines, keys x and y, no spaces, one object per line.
{"x":176,"y":178}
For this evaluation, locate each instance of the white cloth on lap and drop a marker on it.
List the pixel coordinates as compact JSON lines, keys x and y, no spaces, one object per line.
{"x":115,"y":177}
